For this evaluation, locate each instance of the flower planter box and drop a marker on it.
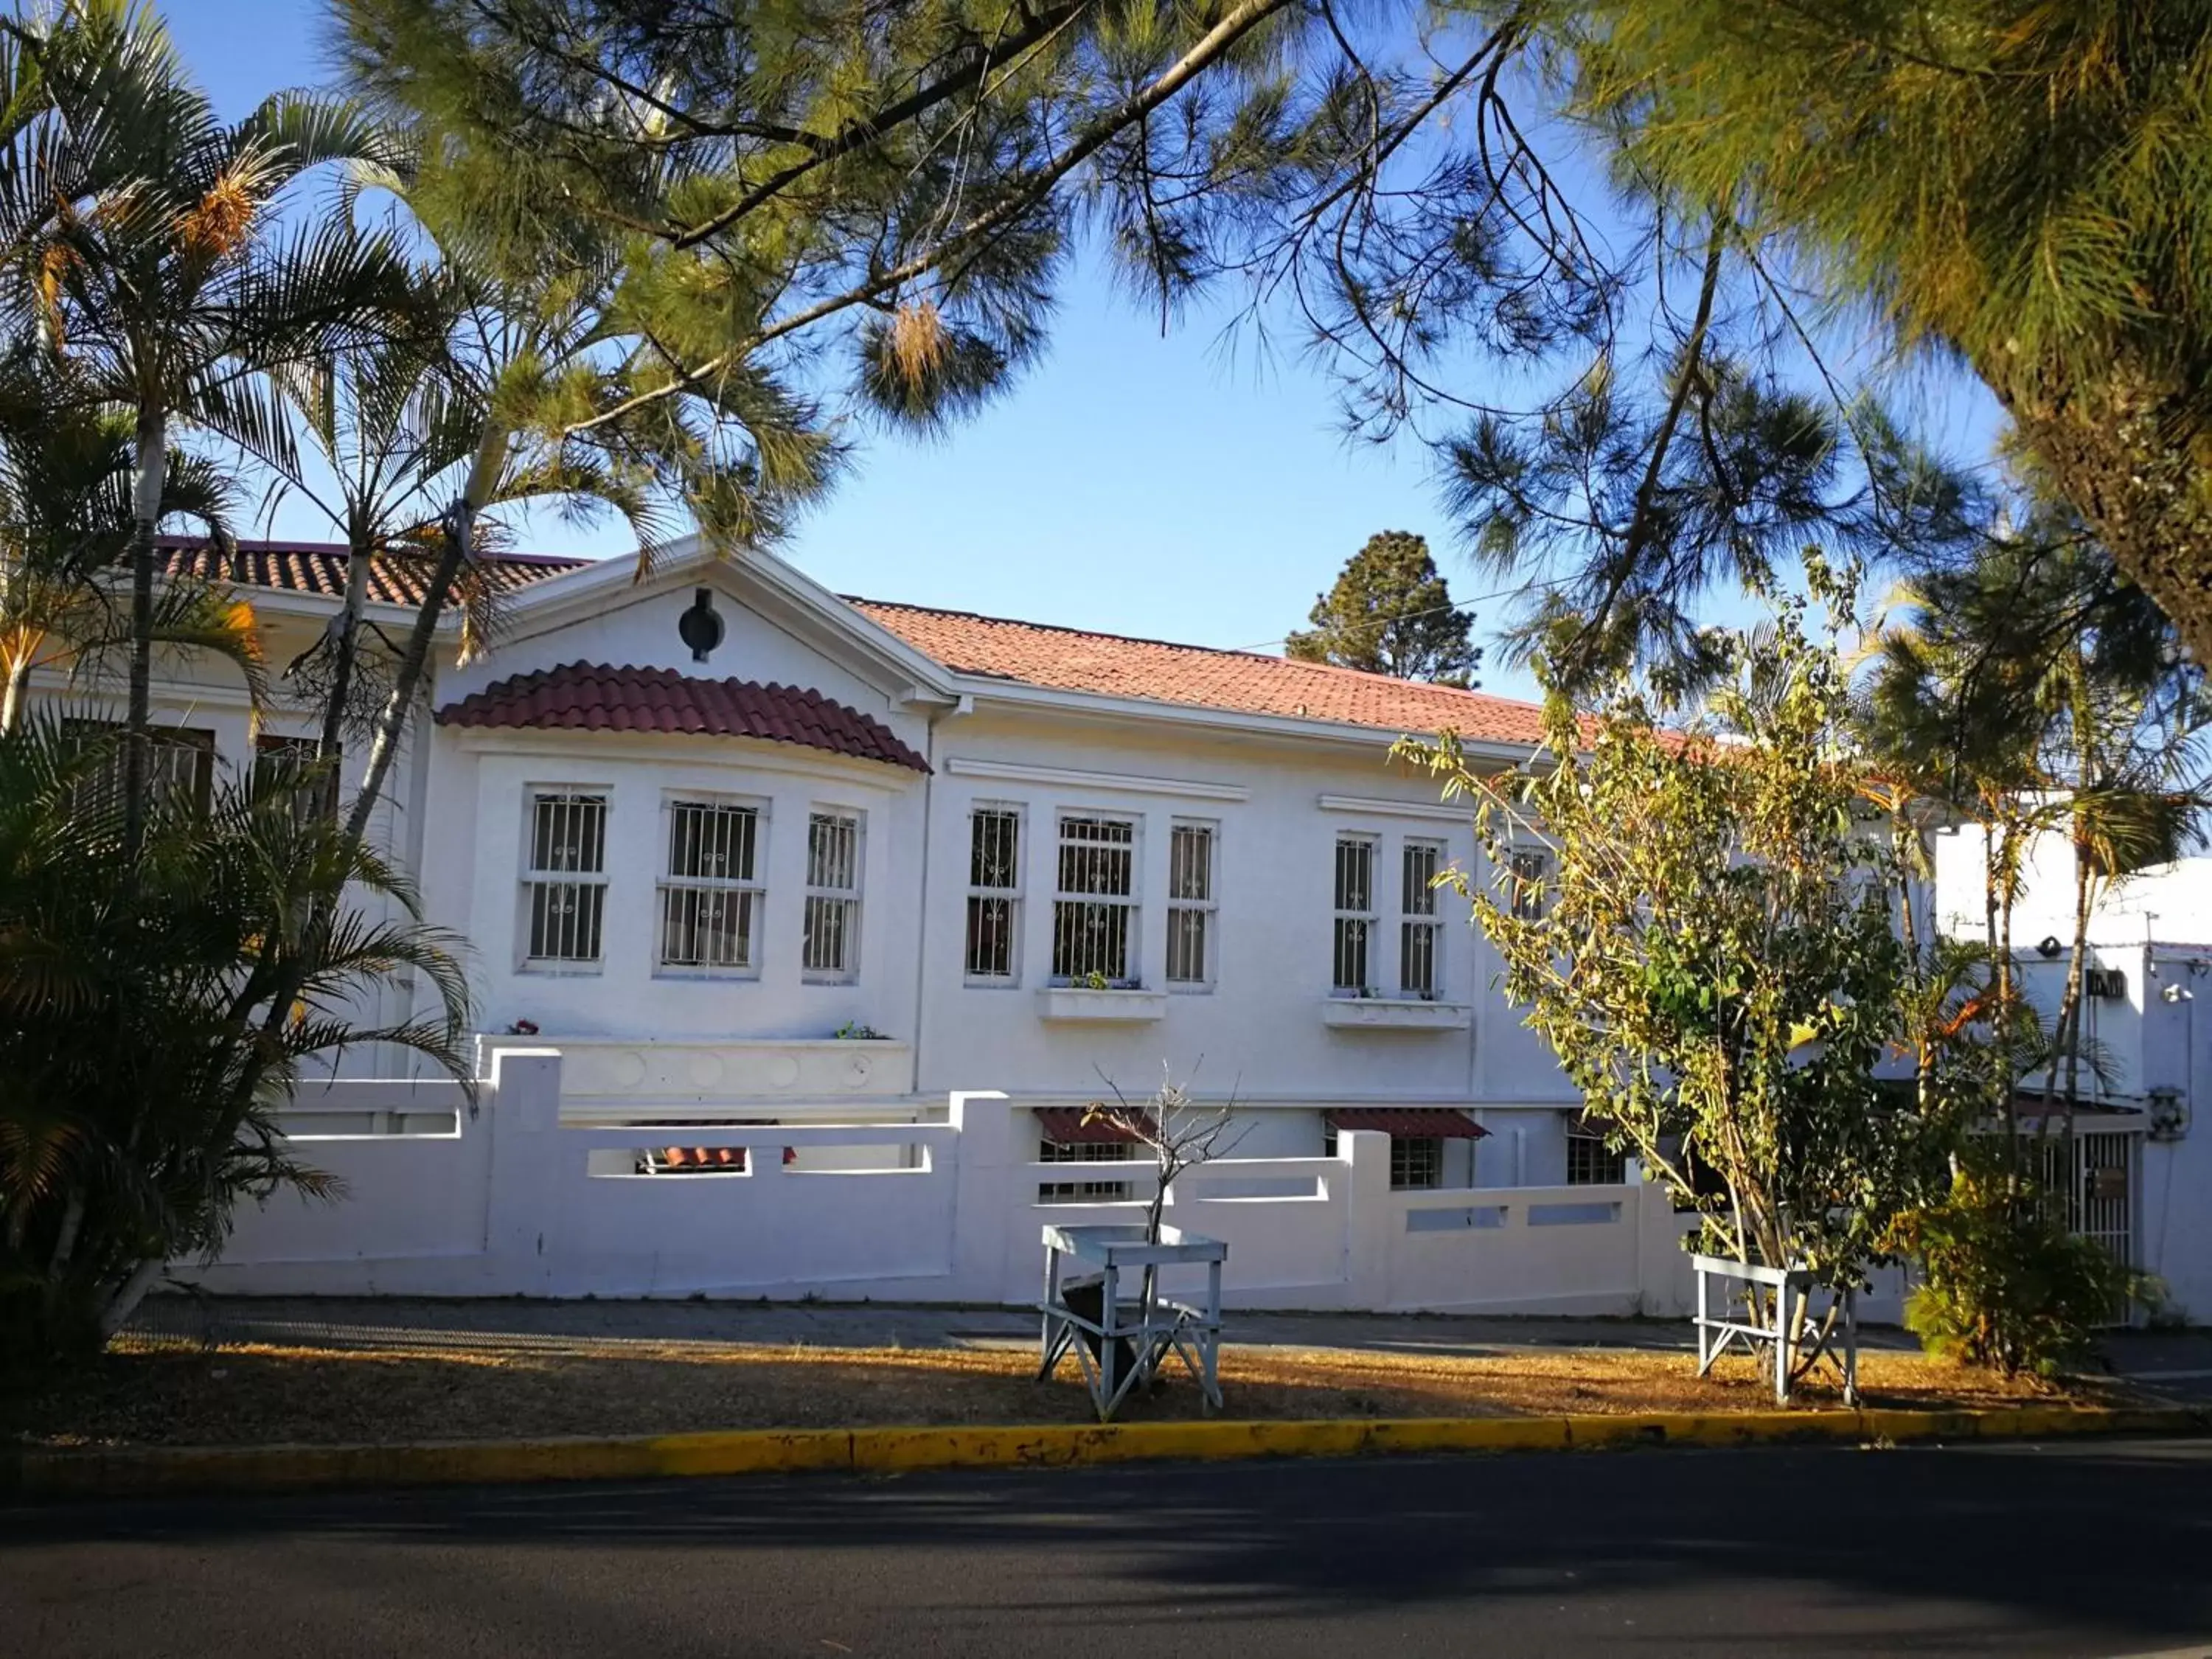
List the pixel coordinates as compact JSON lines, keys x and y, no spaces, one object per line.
{"x":1070,"y":1002}
{"x":1395,"y":1014}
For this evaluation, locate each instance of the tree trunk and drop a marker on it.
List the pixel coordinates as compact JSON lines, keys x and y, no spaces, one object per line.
{"x":127,"y":1296}
{"x":152,"y":460}
{"x":19,"y":683}
{"x":414,"y":663}
{"x":360,"y":555}
{"x":2120,"y":453}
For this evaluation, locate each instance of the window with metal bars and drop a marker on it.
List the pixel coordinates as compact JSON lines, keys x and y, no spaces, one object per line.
{"x":1417,"y":1162}
{"x":710,"y":891}
{"x":285,"y":763}
{"x":180,"y":769}
{"x":1084,"y":1192}
{"x":1094,"y":904}
{"x":1417,"y":926}
{"x":1190,"y":904}
{"x":832,"y":951}
{"x":1531,"y":868}
{"x":1355,"y":914}
{"x":1591,"y":1163}
{"x":565,"y":883}
{"x":994,"y":893}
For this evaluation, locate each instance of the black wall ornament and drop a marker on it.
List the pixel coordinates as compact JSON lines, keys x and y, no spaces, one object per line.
{"x":699,"y":627}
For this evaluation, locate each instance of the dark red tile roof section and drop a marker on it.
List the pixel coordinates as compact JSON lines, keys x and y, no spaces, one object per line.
{"x":1080,"y":1126}
{"x":319,"y":568}
{"x":1247,"y":681}
{"x":580,"y":696}
{"x":1409,"y":1122}
{"x":1030,"y":654}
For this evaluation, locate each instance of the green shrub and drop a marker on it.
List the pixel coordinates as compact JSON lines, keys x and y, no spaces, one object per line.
{"x":2005,"y":1283}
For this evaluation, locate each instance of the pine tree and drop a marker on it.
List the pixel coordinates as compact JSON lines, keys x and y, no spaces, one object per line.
{"x":1391,"y":613}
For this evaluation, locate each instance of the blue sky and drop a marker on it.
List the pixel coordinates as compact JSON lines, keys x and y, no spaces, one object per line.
{"x":1166,"y":487}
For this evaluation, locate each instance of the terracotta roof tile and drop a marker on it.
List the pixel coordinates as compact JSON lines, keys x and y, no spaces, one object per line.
{"x":320,"y":568}
{"x":1029,"y":653}
{"x":1409,"y":1122}
{"x":1114,"y":665}
{"x":591,"y":697}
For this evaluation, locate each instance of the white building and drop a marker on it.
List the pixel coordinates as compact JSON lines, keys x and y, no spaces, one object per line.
{"x":2146,"y":1160}
{"x":726,"y":813}
{"x":895,"y":892}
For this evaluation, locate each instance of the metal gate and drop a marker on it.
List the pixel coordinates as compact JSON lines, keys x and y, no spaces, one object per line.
{"x":2094,"y":1177}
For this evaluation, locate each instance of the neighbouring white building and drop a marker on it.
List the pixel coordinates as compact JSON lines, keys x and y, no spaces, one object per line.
{"x":2143,"y":1177}
{"x":890,"y":893}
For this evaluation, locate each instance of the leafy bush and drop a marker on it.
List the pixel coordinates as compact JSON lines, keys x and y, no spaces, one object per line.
{"x":2006,"y":1283}
{"x":154,"y":1015}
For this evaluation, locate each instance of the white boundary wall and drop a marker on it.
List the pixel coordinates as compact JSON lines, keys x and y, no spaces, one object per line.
{"x":508,"y":1200}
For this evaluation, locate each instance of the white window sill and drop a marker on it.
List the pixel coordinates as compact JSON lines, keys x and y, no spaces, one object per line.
{"x":1070,"y":1002}
{"x":1395,"y":1014}
{"x":562,"y":970}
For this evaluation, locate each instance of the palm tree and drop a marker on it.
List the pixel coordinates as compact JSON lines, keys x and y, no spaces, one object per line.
{"x":2034,"y":687}
{"x":138,"y":1071}
{"x":165,"y":280}
{"x":65,"y":527}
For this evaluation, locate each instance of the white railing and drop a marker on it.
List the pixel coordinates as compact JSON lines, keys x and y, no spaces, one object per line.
{"x":511,"y":1197}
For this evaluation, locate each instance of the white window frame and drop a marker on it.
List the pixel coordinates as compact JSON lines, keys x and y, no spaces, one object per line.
{"x":979,"y":895}
{"x":1203,"y":907}
{"x":824,"y":899}
{"x":1129,"y":902}
{"x":1591,"y":1162}
{"x":749,"y":889}
{"x":1343,"y":918}
{"x":548,"y":877}
{"x":1417,"y":915}
{"x":1426,"y":1150}
{"x":1086,"y":1191}
{"x":1528,"y":905}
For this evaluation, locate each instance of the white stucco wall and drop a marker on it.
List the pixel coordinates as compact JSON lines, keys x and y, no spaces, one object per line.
{"x":1257,"y":1030}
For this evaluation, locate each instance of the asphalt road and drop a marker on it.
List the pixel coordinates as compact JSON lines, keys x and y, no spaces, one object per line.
{"x":2084,"y":1548}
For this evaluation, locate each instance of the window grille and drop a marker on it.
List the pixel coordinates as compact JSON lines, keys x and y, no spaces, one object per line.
{"x":710,"y":893}
{"x":566,"y":881}
{"x":1590,"y":1162}
{"x":284,"y":762}
{"x":1084,"y":1192}
{"x":1094,"y":906}
{"x":1417,"y":1162}
{"x":1531,"y":869}
{"x":1355,"y":912}
{"x":180,"y":769}
{"x":1190,"y":904}
{"x":1417,"y":930}
{"x":994,"y":891}
{"x":833,"y":896}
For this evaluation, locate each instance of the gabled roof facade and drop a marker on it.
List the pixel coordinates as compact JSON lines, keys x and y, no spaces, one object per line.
{"x":974,"y":647}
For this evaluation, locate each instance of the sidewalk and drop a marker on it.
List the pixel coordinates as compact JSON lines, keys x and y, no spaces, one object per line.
{"x":518,"y":1325}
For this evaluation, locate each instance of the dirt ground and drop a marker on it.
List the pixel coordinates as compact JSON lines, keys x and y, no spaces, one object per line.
{"x":165,"y":1392}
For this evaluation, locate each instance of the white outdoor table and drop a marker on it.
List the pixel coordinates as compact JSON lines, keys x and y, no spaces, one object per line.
{"x":1153,"y":1325}
{"x":1790,"y":1285}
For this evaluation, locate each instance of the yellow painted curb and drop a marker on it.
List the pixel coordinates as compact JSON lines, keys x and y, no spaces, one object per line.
{"x":156,"y":1470}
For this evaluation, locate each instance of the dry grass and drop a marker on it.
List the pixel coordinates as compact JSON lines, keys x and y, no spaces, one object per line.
{"x":155,"y":1393}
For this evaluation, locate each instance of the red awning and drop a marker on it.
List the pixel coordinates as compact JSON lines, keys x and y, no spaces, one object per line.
{"x":1408,"y":1122}
{"x":1064,"y":1126}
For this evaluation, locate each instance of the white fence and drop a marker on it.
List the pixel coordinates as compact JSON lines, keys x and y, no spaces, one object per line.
{"x":508,"y":1200}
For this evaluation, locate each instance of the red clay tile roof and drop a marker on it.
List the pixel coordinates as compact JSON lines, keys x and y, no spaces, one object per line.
{"x":1064,"y":1125}
{"x":1409,"y":1122}
{"x":1031,"y":654}
{"x":1072,"y":659}
{"x":320,"y":568}
{"x":588,"y":697}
